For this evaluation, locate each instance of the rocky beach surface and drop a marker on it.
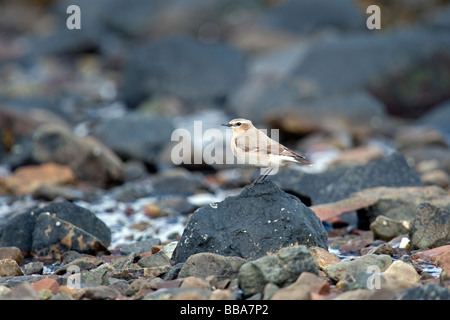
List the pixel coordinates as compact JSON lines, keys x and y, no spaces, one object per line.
{"x":93,"y":207}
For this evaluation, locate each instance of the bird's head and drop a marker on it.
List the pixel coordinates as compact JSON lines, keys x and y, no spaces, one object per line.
{"x":239,"y":124}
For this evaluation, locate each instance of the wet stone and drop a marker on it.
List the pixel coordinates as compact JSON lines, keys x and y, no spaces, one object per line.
{"x":431,"y":227}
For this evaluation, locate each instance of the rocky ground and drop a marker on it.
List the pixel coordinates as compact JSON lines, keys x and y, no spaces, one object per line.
{"x":93,"y":207}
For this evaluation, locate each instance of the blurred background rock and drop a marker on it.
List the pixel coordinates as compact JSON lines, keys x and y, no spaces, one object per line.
{"x":104,"y":100}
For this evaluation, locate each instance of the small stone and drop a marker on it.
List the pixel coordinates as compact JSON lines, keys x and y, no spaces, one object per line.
{"x":23,"y":291}
{"x":98,"y":276}
{"x":206,"y":264}
{"x":9,"y":268}
{"x":139,"y":247}
{"x":384,"y":248}
{"x":429,"y":291}
{"x":96,"y":293}
{"x":385,"y":228}
{"x":4,"y":290}
{"x":281,"y":269}
{"x":297,"y":292}
{"x":436,"y":177}
{"x":221,"y":294}
{"x":158,"y":259}
{"x":322,"y":257}
{"x":440,"y":256}
{"x":195,"y":282}
{"x":401,"y":271}
{"x":340,"y":271}
{"x":35,"y":267}
{"x":46,"y":284}
{"x":358,"y":294}
{"x":430,"y":228}
{"x":27,"y":179}
{"x":155,"y":271}
{"x":13,"y":253}
{"x":45,"y":294}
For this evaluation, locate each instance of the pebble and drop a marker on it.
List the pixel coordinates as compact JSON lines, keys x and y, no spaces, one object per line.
{"x":13,"y":253}
{"x":430,"y":228}
{"x":281,"y":269}
{"x":340,"y":271}
{"x":46,"y":284}
{"x":9,"y":268}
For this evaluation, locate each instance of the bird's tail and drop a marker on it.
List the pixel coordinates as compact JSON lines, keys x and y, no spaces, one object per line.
{"x":302,"y":160}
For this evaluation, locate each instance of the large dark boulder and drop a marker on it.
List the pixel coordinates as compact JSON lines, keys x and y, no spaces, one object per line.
{"x":21,"y":229}
{"x":257,"y":222}
{"x":338,"y":183}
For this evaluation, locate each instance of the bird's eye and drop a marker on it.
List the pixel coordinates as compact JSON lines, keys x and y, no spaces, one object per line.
{"x":238,"y":124}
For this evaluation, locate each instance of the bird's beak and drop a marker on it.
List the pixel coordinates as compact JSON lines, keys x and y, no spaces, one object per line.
{"x":226,"y":124}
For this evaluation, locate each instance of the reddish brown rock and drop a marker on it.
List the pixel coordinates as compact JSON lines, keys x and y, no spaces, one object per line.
{"x":440,"y":256}
{"x":47,"y":283}
{"x":27,"y":179}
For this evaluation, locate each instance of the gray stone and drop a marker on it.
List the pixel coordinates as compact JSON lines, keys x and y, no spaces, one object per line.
{"x":182,"y":67}
{"x":205,"y":264}
{"x":135,"y":135}
{"x":431,"y":227}
{"x":312,"y":15}
{"x":19,"y":229}
{"x":139,"y":247}
{"x":34,"y":267}
{"x":281,"y":268}
{"x":158,"y":259}
{"x":349,"y":269}
{"x":98,"y":276}
{"x":386,"y":228}
{"x":429,"y":291}
{"x":257,"y":222}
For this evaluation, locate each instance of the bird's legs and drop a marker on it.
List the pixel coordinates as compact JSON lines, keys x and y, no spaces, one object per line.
{"x":261,"y":177}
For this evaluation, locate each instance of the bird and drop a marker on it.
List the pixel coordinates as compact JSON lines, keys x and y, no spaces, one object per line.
{"x":252,"y":146}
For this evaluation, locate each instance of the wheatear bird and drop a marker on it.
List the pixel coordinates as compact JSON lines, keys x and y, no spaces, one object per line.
{"x":251,"y":146}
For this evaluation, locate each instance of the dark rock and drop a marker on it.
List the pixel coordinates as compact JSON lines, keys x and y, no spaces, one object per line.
{"x":307,"y":16}
{"x":340,"y":182}
{"x":438,"y":117}
{"x":371,"y":58}
{"x":18,"y":231}
{"x":258,"y":221}
{"x":351,"y":112}
{"x":429,"y":291}
{"x":206,"y":264}
{"x":398,"y":203}
{"x":89,"y":159}
{"x":182,"y":67}
{"x":52,"y":237}
{"x":281,"y":268}
{"x":173,"y":272}
{"x":135,"y":136}
{"x":431,"y":227}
